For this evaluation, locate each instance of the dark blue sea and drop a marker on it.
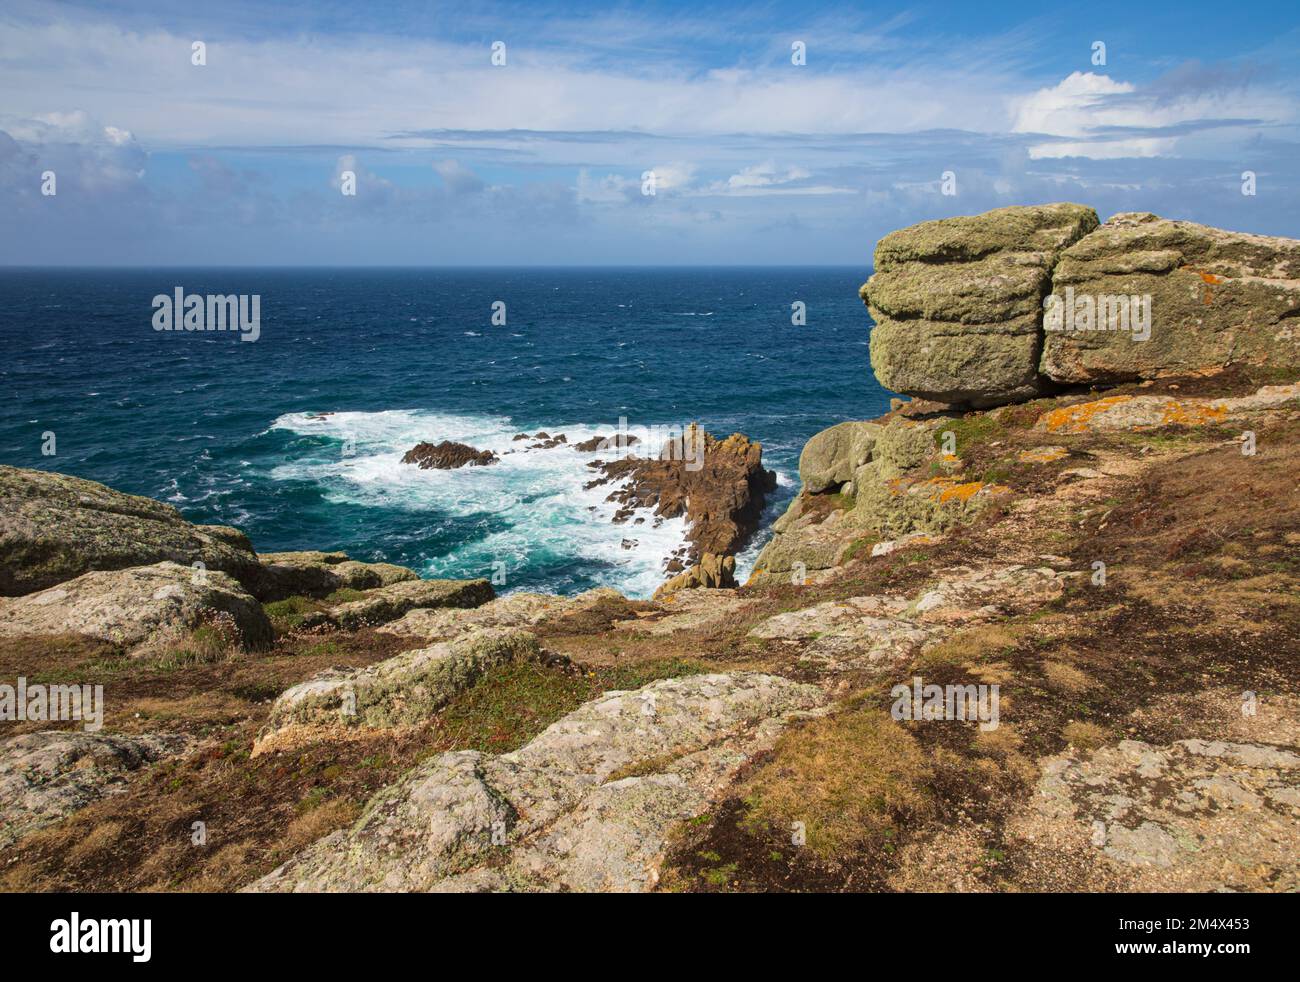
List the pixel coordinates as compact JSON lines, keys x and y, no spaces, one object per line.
{"x":232,"y":432}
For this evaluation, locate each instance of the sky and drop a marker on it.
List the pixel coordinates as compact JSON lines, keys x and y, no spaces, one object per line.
{"x":530,"y":133}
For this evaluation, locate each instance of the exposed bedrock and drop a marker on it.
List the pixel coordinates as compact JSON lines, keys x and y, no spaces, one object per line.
{"x":988,"y":309}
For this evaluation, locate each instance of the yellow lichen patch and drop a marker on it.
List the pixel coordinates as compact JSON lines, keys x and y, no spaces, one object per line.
{"x":1042,"y":455}
{"x":1075,"y":419}
{"x":961,"y":492}
{"x":1197,"y":414}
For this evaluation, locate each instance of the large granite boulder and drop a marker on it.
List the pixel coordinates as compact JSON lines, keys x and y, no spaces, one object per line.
{"x":830,"y":458}
{"x":958,"y":302}
{"x":144,"y":607}
{"x":54,"y":527}
{"x":1216,"y":298}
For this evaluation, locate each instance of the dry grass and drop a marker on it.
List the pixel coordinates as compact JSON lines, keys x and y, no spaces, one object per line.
{"x":851,"y":778}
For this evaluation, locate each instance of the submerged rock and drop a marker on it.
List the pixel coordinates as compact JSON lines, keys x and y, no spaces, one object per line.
{"x":54,"y":527}
{"x":138,"y":609}
{"x":447,"y":455}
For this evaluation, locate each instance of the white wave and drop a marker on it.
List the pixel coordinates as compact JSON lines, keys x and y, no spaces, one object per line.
{"x":537,"y":493}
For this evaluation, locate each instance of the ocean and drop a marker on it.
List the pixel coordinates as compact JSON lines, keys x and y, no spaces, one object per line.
{"x":296,"y":438}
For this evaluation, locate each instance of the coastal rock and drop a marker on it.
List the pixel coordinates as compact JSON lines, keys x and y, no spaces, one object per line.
{"x":390,"y":602}
{"x":138,"y":609}
{"x":586,"y":805}
{"x":719,"y":486}
{"x":54,"y":527}
{"x":1188,"y":813}
{"x":48,"y":775}
{"x":1216,"y":298}
{"x":447,"y":455}
{"x":513,"y":610}
{"x":884,"y":629}
{"x":957,"y":302}
{"x":616,"y":441}
{"x":318,"y":574}
{"x":711,"y":572}
{"x":830,"y":458}
{"x":1126,"y":412}
{"x":406,"y":689}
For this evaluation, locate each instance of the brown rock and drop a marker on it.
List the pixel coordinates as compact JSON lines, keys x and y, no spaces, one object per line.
{"x":446,"y":455}
{"x":719,"y":485}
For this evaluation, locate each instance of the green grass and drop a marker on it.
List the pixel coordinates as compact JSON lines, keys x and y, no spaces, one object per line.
{"x":512,"y":704}
{"x":288,"y":614}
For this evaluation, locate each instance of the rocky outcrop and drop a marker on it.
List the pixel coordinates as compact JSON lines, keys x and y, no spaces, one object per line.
{"x":519,"y":610}
{"x":892,"y":491}
{"x":958,"y":302}
{"x":140,"y":608}
{"x":54,"y":527}
{"x":586,"y":805}
{"x":994,"y":308}
{"x":1191,"y":812}
{"x":1137,"y":413}
{"x":403,"y":690}
{"x":830,"y":459}
{"x":882,"y":630}
{"x":616,"y":441}
{"x":388,"y":603}
{"x":318,"y":574}
{"x":46,"y":776}
{"x":447,"y":455}
{"x":1216,"y":298}
{"x":711,"y":572}
{"x":719,"y":486}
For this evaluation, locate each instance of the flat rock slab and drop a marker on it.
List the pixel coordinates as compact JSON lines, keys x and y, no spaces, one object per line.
{"x":513,"y":610}
{"x":587,"y":804}
{"x":388,"y":603}
{"x":406,"y":689}
{"x":1127,"y":412}
{"x":47,"y":776}
{"x":885,"y":628}
{"x":1185,"y":814}
{"x":54,"y":527}
{"x":699,"y":611}
{"x":140,"y":609}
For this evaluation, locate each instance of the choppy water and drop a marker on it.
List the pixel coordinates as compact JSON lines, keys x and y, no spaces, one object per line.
{"x":226,"y":430}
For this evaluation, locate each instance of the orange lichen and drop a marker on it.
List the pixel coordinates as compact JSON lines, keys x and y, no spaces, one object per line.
{"x":961,"y":492}
{"x":1181,"y":414}
{"x":1042,"y":455}
{"x":1075,"y":419}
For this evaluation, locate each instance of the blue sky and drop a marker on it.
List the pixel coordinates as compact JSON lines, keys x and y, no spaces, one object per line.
{"x":540,"y":160}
